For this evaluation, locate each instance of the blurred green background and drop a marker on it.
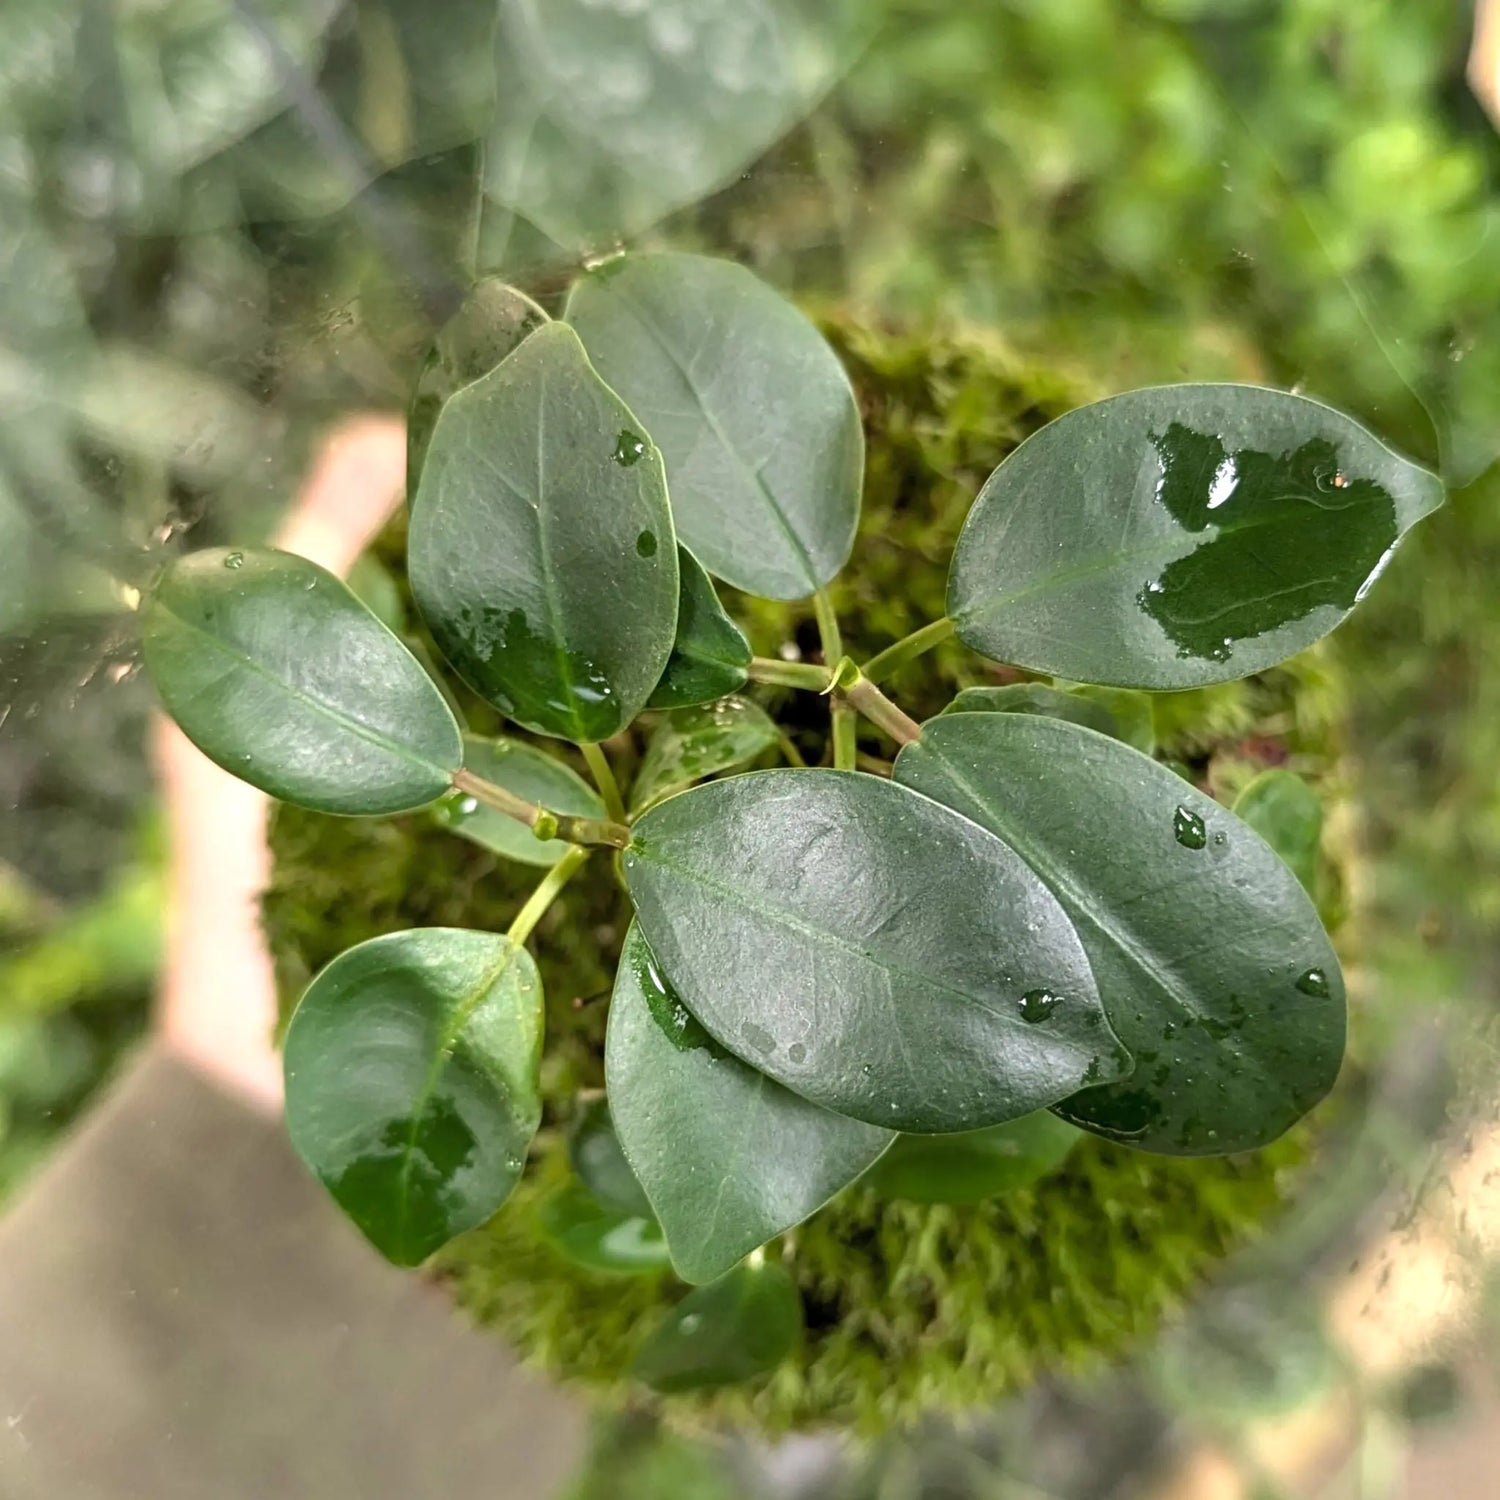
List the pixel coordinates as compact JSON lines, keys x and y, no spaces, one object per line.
{"x":221,"y":225}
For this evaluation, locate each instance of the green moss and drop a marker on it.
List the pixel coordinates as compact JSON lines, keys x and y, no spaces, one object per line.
{"x":910,"y":1308}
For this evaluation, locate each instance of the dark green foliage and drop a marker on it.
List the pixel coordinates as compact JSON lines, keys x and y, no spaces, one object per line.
{"x":1129,"y":1235}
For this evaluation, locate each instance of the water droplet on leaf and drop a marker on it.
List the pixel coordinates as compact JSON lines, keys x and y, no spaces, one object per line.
{"x":1314,"y":982}
{"x":1037,"y":1005}
{"x":235,"y":560}
{"x":1188,"y":829}
{"x":645,"y":544}
{"x":630,"y":449}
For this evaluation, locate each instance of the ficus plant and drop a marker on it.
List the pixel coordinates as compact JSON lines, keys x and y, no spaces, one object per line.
{"x":931,"y":972}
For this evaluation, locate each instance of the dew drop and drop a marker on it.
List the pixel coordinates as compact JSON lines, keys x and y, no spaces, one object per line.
{"x":468,"y":806}
{"x":797,"y":1052}
{"x":1188,"y":829}
{"x":235,"y":560}
{"x":1037,"y":1005}
{"x":1313,"y":982}
{"x":630,"y":449}
{"x":690,"y":1322}
{"x":645,"y":544}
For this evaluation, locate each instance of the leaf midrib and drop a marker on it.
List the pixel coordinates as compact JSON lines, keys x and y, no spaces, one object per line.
{"x":442,"y":1055}
{"x":1164,"y":549}
{"x":752,"y":476}
{"x":1154,"y":970}
{"x":826,"y":937}
{"x":315,"y":705}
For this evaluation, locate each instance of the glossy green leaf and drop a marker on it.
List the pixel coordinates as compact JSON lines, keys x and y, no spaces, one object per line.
{"x":1288,"y":814}
{"x":600,"y":1237}
{"x":599,"y":1160}
{"x":753,"y":413}
{"x":279,"y":674}
{"x":974,"y":1165}
{"x":728,"y":1158}
{"x":710,"y":653}
{"x":869,"y":949}
{"x":530,"y":773}
{"x":692,"y":743}
{"x":491,"y":324}
{"x":609,"y":117}
{"x":411,"y":1082}
{"x":1181,"y":535}
{"x":737,"y":1329}
{"x":541,"y":550}
{"x":1211,"y":961}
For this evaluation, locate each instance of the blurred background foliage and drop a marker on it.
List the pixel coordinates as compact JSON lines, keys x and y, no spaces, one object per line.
{"x":222,"y":222}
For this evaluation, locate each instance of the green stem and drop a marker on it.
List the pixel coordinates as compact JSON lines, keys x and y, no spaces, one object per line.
{"x":789,"y":750}
{"x":845,"y":737}
{"x":909,"y":648}
{"x":604,"y":779}
{"x":845,"y":730}
{"x":545,"y":894}
{"x":544,"y":823}
{"x":792,"y":674}
{"x":828,"y":627}
{"x":852,"y":687}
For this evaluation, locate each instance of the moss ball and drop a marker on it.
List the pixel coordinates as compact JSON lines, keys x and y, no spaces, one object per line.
{"x":910,"y":1309}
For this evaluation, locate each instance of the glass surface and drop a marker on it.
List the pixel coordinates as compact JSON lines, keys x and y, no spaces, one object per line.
{"x":226,"y":230}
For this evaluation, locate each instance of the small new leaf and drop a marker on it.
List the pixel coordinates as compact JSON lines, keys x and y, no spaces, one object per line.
{"x":710,"y":653}
{"x":274,"y":669}
{"x":411,"y":1082}
{"x":692,"y":743}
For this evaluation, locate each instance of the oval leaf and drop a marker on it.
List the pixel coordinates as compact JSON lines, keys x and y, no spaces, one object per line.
{"x":975,"y":1165}
{"x":1288,"y":814}
{"x":490,"y":324}
{"x":601,"y":1238}
{"x":529,"y":773}
{"x":710,"y":653}
{"x":739,"y":1328}
{"x":596,"y":1156}
{"x":753,"y":413}
{"x":1181,"y":535}
{"x":1212,"y":963}
{"x":728,"y":1158}
{"x":278,"y":673}
{"x":869,"y":949}
{"x":692,"y":743}
{"x":411,"y":1082}
{"x":541,"y":551}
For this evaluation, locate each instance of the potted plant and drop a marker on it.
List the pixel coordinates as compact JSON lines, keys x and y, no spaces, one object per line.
{"x":951,"y":1045}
